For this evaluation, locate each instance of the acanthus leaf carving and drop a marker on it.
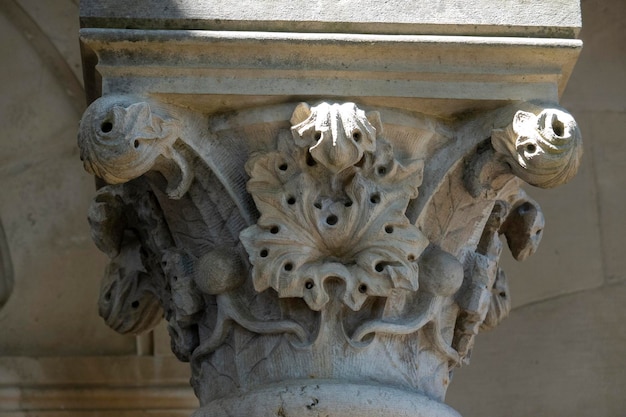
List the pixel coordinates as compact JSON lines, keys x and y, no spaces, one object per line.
{"x":332,"y":202}
{"x":484,"y":298}
{"x":131,"y":292}
{"x":296,"y":240}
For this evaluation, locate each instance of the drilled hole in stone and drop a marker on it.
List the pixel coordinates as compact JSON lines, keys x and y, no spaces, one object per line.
{"x":274,"y":230}
{"x":106,"y":126}
{"x":107,"y":296}
{"x":348,"y":203}
{"x":382,"y":171}
{"x":136,"y":144}
{"x":362,"y":288}
{"x":375,"y":198}
{"x":524,"y":208}
{"x":283,"y":167}
{"x":530,"y":148}
{"x":389,"y":229}
{"x":288,"y":266}
{"x":291,"y":200}
{"x":557,"y":126}
{"x":538,"y":232}
{"x":175,"y":278}
{"x":309,"y":284}
{"x":332,"y":220}
{"x":356,"y":135}
{"x":502,"y":294}
{"x":135,"y":304}
{"x":309,"y":160}
{"x":380,"y":267}
{"x":264,"y":253}
{"x":317,"y":205}
{"x":411,"y":257}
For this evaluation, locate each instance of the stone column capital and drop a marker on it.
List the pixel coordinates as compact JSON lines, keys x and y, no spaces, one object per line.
{"x":313,"y":195}
{"x":300,"y":249}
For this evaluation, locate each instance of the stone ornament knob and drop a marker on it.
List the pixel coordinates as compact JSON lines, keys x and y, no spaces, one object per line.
{"x":544,"y":150}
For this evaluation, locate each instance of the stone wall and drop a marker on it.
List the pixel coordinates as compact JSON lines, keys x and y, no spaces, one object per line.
{"x":559,"y":354}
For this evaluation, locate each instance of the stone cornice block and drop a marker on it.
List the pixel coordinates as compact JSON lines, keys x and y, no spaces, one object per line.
{"x":523,"y":18}
{"x":216,"y":71}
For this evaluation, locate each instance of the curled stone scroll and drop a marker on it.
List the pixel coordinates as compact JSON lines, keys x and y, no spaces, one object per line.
{"x":543,"y":147}
{"x":546,"y":150}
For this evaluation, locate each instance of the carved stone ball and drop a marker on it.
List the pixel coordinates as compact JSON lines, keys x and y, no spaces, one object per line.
{"x":441,"y":273}
{"x":219,"y":271}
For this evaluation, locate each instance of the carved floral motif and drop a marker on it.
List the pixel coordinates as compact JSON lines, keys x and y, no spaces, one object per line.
{"x":332,"y":202}
{"x":318,"y":239}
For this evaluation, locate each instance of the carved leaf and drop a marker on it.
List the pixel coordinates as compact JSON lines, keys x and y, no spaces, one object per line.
{"x":346,"y":223}
{"x":453,"y":215}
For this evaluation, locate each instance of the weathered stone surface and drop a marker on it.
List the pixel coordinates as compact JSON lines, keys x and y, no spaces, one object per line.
{"x":343,"y":245}
{"x":578,"y":262}
{"x":229,"y":70}
{"x":572,"y":261}
{"x":366,"y":244}
{"x":599,"y":84}
{"x":57,"y":20}
{"x":6,"y":269}
{"x":433,"y":17}
{"x":563,"y":355}
{"x":609,"y":159}
{"x":566,"y":355}
{"x":94,"y":386}
{"x":600,"y":104}
{"x":44,"y":219}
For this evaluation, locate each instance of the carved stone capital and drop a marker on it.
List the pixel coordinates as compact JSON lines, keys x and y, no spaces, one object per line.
{"x":308,"y":254}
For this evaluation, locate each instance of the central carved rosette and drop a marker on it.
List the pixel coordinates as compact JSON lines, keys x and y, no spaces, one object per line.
{"x":332,"y":200}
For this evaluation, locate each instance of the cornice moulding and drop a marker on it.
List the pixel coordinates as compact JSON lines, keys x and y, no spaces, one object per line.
{"x":216,"y":71}
{"x":94,"y":386}
{"x":523,"y":18}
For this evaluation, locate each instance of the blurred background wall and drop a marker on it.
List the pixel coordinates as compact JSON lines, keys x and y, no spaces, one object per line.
{"x":562,"y":352}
